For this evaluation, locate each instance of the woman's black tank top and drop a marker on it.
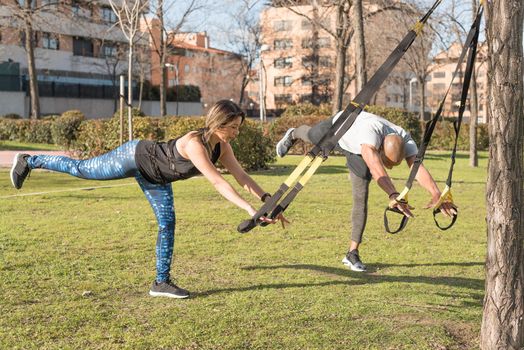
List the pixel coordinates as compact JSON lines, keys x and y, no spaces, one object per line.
{"x":160,"y":162}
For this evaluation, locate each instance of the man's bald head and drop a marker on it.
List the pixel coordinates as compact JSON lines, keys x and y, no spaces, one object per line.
{"x":392,"y":150}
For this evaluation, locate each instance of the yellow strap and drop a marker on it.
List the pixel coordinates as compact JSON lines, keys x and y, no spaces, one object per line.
{"x":418,"y":27}
{"x":298,"y":170}
{"x":311,"y":171}
{"x":358,"y":105}
{"x":444,"y":197}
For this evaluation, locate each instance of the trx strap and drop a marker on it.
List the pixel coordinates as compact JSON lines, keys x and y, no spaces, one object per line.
{"x":470,"y":47}
{"x":320,"y":151}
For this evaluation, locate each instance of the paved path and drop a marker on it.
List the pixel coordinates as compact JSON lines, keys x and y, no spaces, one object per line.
{"x":6,"y":157}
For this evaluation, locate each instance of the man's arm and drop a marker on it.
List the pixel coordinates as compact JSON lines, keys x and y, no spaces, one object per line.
{"x":425,"y":179}
{"x":372,"y":158}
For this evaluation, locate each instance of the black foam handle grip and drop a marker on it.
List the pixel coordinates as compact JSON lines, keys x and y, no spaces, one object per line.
{"x":444,"y":228}
{"x":403,"y":222}
{"x":247,"y":225}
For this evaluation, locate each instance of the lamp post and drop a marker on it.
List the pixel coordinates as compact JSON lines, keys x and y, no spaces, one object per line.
{"x":262,"y":85}
{"x":411,"y":82}
{"x":175,"y":69}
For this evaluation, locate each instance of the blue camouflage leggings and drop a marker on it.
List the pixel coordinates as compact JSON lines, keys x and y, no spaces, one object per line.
{"x":119,"y":164}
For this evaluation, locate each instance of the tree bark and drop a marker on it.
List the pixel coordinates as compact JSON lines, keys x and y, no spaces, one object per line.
{"x":360,"y":45}
{"x":31,"y":67}
{"x":473,"y":110}
{"x":162,"y":48}
{"x":502,"y":326}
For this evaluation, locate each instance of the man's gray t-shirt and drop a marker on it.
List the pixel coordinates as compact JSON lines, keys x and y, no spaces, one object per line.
{"x":370,"y":129}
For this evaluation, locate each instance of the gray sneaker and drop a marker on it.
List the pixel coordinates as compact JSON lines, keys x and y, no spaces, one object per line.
{"x":168,"y":289}
{"x":20,"y":170}
{"x":352,"y":259}
{"x":285,"y":144}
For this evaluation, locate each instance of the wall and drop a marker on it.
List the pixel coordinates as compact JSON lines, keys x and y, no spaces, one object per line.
{"x":17,"y":102}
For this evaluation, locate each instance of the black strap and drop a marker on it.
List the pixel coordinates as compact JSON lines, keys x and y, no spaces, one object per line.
{"x":342,"y":124}
{"x":470,"y":48}
{"x":403,"y":221}
{"x":444,"y":228}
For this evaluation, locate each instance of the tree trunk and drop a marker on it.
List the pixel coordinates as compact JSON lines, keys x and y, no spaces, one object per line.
{"x":339,"y":78}
{"x":162,"y":47}
{"x":502,"y":326}
{"x":130,"y":91}
{"x":358,"y":25}
{"x":31,"y":68}
{"x":420,"y":81}
{"x":473,"y":109}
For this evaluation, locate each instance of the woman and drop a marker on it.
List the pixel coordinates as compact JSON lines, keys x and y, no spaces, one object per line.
{"x":155,"y":165}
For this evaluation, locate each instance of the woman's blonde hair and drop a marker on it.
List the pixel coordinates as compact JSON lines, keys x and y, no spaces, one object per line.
{"x":221,"y":114}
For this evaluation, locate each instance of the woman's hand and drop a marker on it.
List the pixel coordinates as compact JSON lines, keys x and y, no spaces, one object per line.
{"x":283,"y":220}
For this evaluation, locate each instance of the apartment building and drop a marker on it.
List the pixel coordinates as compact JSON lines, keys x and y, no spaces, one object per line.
{"x":192,"y":61}
{"x":79,"y":52}
{"x":442,"y":71}
{"x":298,"y":57}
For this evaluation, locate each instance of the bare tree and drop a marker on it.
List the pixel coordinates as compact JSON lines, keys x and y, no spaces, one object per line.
{"x":502,"y":321}
{"x":24,"y":13}
{"x":128,"y":13}
{"x":244,"y":35}
{"x":360,"y":45}
{"x":343,"y":31}
{"x":163,"y":34}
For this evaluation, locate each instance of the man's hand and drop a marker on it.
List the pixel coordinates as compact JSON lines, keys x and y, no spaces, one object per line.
{"x":403,"y":206}
{"x":447,"y":208}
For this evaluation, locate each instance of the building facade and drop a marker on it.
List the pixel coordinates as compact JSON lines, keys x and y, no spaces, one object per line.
{"x":442,"y":71}
{"x":79,"y":51}
{"x":298,"y":56}
{"x":192,"y":61}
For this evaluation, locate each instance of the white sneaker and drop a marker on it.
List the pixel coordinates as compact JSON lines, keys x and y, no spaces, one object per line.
{"x":285,"y":144}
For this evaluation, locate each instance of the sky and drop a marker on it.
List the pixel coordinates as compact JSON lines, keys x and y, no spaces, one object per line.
{"x":216,"y":17}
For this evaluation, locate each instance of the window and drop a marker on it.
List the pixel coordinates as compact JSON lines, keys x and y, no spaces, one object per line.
{"x":283,"y":99}
{"x":309,"y":61}
{"x":309,"y":43}
{"x":82,"y":47}
{"x":283,"y":81}
{"x":280,"y":26}
{"x":187,"y":68}
{"x":324,"y":61}
{"x":50,"y":41}
{"x":109,"y":51}
{"x":306,"y":24}
{"x":439,"y":86}
{"x":324,"y":42}
{"x":306,"y":81}
{"x":108,"y":15}
{"x":282,"y":44}
{"x":283,"y":62}
{"x":439,"y":75}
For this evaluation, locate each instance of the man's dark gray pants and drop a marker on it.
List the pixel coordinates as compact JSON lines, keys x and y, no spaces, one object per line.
{"x":358,"y":170}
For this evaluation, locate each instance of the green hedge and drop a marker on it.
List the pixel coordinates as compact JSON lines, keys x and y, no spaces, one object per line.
{"x":252,"y":149}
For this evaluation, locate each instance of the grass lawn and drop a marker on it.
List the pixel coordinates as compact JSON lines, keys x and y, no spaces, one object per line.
{"x":14,"y":146}
{"x":76,"y":268}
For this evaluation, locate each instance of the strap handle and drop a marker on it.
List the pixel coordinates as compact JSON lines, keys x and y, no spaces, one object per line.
{"x":402,"y":224}
{"x":445,"y":197}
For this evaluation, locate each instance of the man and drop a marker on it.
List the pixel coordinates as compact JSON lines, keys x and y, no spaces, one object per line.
{"x":371,"y":145}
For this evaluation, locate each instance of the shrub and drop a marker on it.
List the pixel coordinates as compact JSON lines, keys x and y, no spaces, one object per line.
{"x":65,"y":127}
{"x":408,"y":121}
{"x":38,"y":131}
{"x":91,"y":140}
{"x":252,"y":148}
{"x":184,"y":125}
{"x":306,"y":109}
{"x":12,"y":116}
